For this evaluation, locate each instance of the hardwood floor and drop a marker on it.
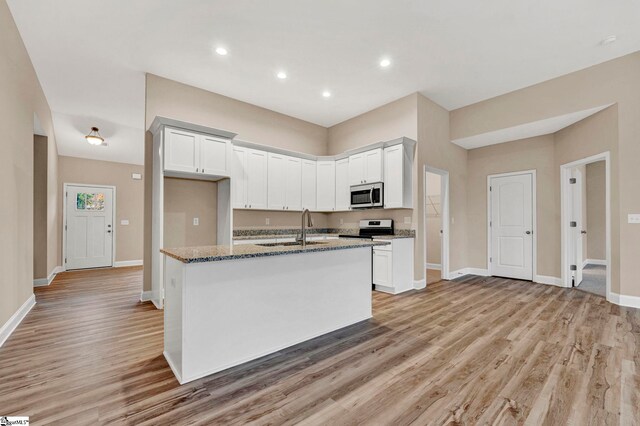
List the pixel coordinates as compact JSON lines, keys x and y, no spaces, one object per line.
{"x":473,"y":351}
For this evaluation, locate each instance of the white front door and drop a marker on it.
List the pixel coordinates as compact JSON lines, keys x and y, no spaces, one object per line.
{"x":512,"y":226}
{"x":578,"y":229}
{"x":88,"y":227}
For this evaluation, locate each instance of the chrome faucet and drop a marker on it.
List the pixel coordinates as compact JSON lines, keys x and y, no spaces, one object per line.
{"x":309,"y":223}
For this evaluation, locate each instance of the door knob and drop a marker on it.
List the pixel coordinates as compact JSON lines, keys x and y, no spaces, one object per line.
{"x":583,"y":232}
{"x":109,"y":231}
{"x":528,"y":232}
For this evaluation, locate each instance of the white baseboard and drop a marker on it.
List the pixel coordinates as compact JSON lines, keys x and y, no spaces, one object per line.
{"x":623,"y":300}
{"x":469,"y":271}
{"x":544,"y":279}
{"x":43,"y":282}
{"x":595,"y":262}
{"x":146,"y":296}
{"x":124,"y":263}
{"x":16,"y":318}
{"x":436,"y":266}
{"x":420,"y":284}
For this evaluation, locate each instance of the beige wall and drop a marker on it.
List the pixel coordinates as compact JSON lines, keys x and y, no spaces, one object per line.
{"x":21,"y":98}
{"x":614,"y":82}
{"x":40,"y":168}
{"x":184,"y":200}
{"x":256,"y":219}
{"x":595,"y":203}
{"x":527,"y":154}
{"x":129,"y":198}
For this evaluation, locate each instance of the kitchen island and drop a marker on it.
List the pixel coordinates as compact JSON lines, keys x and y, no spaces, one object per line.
{"x":226,"y":305}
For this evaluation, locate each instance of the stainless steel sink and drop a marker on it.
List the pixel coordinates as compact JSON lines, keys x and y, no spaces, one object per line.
{"x":291,"y":243}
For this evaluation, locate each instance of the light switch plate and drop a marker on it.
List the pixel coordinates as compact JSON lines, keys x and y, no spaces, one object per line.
{"x":196,"y":221}
{"x":136,"y":176}
{"x":124,"y":222}
{"x":634,"y":218}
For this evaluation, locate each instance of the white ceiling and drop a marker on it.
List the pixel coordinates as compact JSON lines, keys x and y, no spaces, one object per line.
{"x":526,"y":130}
{"x":91,"y":55}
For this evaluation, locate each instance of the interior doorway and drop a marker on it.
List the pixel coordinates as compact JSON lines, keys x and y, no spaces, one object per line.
{"x":436,"y":224}
{"x":511,"y":221}
{"x":89,"y":232}
{"x":586,"y":224}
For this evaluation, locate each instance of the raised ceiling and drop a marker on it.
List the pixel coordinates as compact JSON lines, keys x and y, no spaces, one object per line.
{"x":91,"y":55}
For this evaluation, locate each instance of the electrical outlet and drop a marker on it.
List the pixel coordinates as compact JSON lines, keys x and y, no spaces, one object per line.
{"x":196,"y":221}
{"x":407,"y":219}
{"x":453,"y":220}
{"x":633,"y":218}
{"x":341,"y":221}
{"x":124,"y":222}
{"x":267,"y":221}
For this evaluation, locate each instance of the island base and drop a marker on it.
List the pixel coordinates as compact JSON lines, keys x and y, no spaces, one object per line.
{"x":224,"y":313}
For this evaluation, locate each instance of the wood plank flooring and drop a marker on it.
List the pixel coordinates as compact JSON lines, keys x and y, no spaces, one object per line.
{"x":472,"y":351}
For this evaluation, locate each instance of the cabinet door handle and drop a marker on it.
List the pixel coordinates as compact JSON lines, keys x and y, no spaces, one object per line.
{"x":202,"y":170}
{"x":197,"y":169}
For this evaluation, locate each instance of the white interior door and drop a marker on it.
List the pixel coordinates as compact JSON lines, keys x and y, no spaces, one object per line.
{"x":512,"y":226}
{"x":576,"y":216}
{"x":88,"y":227}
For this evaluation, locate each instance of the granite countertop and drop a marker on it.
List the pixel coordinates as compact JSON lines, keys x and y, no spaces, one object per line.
{"x":272,"y":236}
{"x":246,"y":251}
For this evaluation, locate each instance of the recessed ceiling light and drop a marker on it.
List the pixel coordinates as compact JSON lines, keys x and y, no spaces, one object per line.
{"x":608,"y":40}
{"x":221,"y":51}
{"x":282,"y":75}
{"x":385,"y":62}
{"x":326,"y":94}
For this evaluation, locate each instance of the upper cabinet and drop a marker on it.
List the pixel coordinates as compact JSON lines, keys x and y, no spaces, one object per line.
{"x":343,"y":193}
{"x":309,"y":190}
{"x":284,"y":182}
{"x":194,"y":153}
{"x":398,"y":186}
{"x":365,"y":167}
{"x":326,"y":179}
{"x":249,"y":179}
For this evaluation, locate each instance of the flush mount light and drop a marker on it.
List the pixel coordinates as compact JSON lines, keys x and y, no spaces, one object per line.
{"x":94,"y":137}
{"x":326,"y":94}
{"x":385,"y":62}
{"x":281,"y":75}
{"x":221,"y":51}
{"x":608,"y":40}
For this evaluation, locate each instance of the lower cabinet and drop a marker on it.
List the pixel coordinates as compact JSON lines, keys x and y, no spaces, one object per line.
{"x":393,"y":266}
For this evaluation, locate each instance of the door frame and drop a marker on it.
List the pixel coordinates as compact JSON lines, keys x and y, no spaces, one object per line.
{"x":444,"y":202}
{"x":64,"y":220}
{"x":534,"y":220}
{"x":565,"y":229}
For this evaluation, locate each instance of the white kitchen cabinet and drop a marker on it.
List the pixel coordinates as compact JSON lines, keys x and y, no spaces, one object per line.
{"x":393,"y":266}
{"x":181,"y":151}
{"x":239,"y":178}
{"x":343,"y":193}
{"x":293,"y":183}
{"x":284,"y":182}
{"x":308,"y":185}
{"x":365,"y":167}
{"x":382,"y":267}
{"x":249,"y":179}
{"x":192,"y":153}
{"x":276,"y":181}
{"x":326,"y":185}
{"x":214,"y":159}
{"x":397,"y":178}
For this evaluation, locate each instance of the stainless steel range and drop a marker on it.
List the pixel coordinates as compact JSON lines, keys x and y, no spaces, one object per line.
{"x":370,"y":228}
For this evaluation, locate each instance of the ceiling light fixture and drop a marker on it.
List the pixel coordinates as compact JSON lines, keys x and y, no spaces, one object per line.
{"x":221,"y":51}
{"x":282,"y":75}
{"x":326,"y":94}
{"x":385,"y":63}
{"x":608,"y":40}
{"x":94,"y":137}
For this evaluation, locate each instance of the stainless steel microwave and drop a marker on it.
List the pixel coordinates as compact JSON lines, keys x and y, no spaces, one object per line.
{"x":367,"y":196}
